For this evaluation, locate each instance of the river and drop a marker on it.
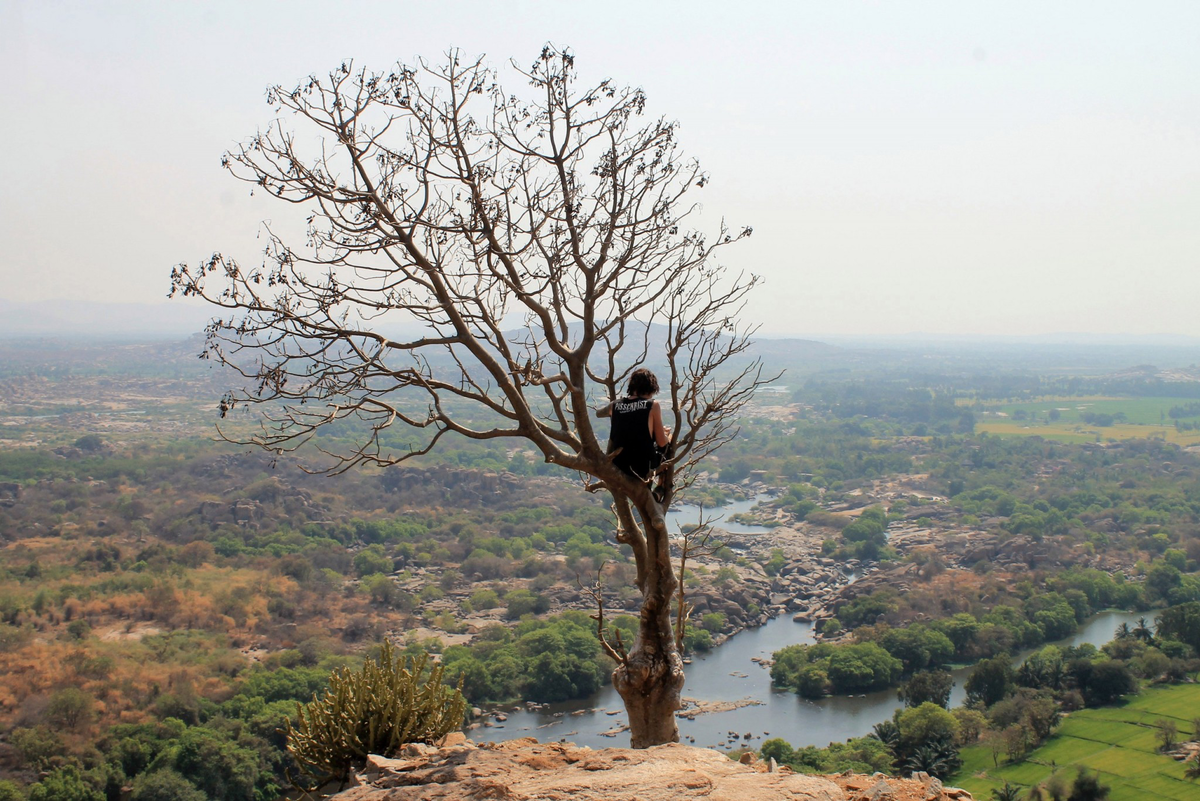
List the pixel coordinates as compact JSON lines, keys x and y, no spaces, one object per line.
{"x":728,"y":674}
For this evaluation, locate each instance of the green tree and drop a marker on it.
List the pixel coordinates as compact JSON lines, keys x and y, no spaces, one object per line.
{"x":165,"y":785}
{"x":1181,"y":622}
{"x":971,"y":724}
{"x":524,"y":602}
{"x":939,"y":759}
{"x":990,"y":681}
{"x":37,"y":746}
{"x":778,"y":749}
{"x":1009,"y":792}
{"x":1106,"y":682}
{"x":1192,"y":768}
{"x":697,"y":640}
{"x":923,"y":725}
{"x":67,"y":783}
{"x":1162,"y":578}
{"x":927,"y":686}
{"x":1167,"y":733}
{"x":863,"y":666}
{"x":371,"y":560}
{"x":918,"y":647}
{"x":89,"y":443}
{"x":961,"y":629}
{"x":221,"y":769}
{"x":1087,"y":787}
{"x":71,"y":707}
{"x":79,"y":629}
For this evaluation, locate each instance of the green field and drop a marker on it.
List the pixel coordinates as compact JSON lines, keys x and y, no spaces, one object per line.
{"x":1142,"y":417}
{"x":1117,"y":742}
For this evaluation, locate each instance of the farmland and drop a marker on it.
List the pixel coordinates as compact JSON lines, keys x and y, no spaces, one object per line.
{"x":1087,"y":419}
{"x":1119,"y":743}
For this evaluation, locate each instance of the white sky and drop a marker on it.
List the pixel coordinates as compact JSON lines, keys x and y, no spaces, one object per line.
{"x":952,"y":168}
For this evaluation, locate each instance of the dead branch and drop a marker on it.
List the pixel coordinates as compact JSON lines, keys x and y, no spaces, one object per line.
{"x":618,"y":653}
{"x":696,"y":541}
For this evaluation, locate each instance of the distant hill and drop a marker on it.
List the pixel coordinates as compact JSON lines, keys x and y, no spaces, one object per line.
{"x":102,"y":320}
{"x":784,"y":350}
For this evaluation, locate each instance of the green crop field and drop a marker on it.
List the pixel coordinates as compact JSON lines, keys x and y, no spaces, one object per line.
{"x":1132,"y":418}
{"x":1117,"y":742}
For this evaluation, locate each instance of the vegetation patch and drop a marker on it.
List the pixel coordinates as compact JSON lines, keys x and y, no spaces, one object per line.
{"x":1117,"y":743}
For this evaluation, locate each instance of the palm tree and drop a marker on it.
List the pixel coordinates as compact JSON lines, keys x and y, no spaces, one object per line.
{"x":888,"y":733}
{"x":1009,"y":792}
{"x":1123,"y":632}
{"x":938,"y":759}
{"x":1142,"y":631}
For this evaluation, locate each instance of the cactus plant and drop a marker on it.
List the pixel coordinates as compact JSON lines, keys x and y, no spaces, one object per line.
{"x":386,"y":703}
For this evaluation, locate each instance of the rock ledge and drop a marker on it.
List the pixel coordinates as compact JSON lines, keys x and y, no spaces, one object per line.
{"x":526,"y":770}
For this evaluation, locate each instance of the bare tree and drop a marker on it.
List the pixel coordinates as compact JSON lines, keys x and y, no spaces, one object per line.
{"x":434,"y":197}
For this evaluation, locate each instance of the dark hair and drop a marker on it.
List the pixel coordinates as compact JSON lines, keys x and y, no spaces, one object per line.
{"x":642,"y":382}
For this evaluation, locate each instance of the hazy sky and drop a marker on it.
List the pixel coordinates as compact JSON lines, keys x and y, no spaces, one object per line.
{"x":958,"y":167}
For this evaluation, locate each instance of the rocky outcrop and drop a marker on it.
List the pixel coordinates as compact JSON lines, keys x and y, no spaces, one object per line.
{"x":456,"y":482}
{"x":526,"y":770}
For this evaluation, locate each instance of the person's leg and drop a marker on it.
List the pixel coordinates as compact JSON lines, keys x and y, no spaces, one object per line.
{"x":664,"y":475}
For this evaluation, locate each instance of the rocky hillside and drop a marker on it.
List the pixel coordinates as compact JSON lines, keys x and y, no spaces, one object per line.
{"x":525,"y":770}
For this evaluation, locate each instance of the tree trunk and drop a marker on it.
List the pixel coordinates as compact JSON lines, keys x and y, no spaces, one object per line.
{"x":651,"y":679}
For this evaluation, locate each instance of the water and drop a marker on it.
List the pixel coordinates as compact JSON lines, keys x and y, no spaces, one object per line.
{"x":728,"y":674}
{"x":1097,"y":630}
{"x":688,"y":515}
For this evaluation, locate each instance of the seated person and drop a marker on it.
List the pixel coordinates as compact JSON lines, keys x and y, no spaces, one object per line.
{"x":638,"y":436}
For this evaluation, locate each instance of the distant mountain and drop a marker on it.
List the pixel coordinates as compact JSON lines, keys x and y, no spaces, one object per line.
{"x":793,"y":349}
{"x":102,"y":320}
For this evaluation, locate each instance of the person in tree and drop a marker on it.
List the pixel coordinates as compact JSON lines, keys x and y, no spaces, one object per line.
{"x":638,"y":440}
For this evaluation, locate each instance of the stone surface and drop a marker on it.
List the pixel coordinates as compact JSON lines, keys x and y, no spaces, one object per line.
{"x":525,"y":770}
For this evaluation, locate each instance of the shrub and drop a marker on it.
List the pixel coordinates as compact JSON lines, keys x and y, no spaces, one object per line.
{"x":67,"y":783}
{"x":372,"y":560}
{"x":219,"y":766}
{"x":695,"y":639}
{"x":485,"y":599}
{"x":525,"y":602}
{"x":388,"y":702}
{"x":70,"y":707}
{"x":89,"y":442}
{"x":165,"y":785}
{"x":79,"y":629}
{"x":37,"y":746}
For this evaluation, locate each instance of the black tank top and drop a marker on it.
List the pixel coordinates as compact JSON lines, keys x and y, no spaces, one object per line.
{"x":631,"y":433}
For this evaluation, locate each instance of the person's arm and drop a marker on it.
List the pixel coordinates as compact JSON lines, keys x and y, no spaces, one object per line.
{"x":605,"y":410}
{"x":660,"y":434}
